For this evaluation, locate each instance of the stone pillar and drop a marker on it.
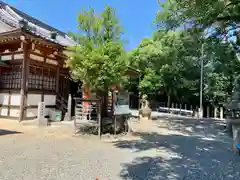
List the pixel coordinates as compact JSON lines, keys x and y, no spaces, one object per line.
{"x":197,"y":112}
{"x":221,"y":112}
{"x":69,"y":113}
{"x":208,"y":112}
{"x":236,"y":136}
{"x":200,"y":113}
{"x":215,"y":112}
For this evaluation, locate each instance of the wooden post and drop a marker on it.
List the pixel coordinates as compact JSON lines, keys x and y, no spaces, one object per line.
{"x":99,"y":120}
{"x":9,"y":102}
{"x":208,"y":112}
{"x":57,"y":79}
{"x":115,"y":125}
{"x":180,"y":107}
{"x":23,"y":79}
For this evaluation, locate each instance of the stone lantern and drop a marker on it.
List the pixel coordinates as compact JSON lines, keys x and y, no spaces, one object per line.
{"x":145,"y":111}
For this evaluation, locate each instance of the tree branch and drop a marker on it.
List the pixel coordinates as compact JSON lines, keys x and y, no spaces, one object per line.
{"x":235,"y":18}
{"x":232,"y":3}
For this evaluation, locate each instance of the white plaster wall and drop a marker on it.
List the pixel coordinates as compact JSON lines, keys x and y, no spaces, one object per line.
{"x":15,"y":99}
{"x":32,"y":112}
{"x":6,"y":57}
{"x":33,"y":99}
{"x":3,"y":111}
{"x":4,"y":98}
{"x":18,"y":56}
{"x":50,"y":100}
{"x":48,"y":111}
{"x":14,"y":112}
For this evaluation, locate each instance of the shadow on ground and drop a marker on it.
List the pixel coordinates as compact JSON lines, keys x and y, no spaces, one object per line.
{"x":8,"y":132}
{"x":198,"y":150}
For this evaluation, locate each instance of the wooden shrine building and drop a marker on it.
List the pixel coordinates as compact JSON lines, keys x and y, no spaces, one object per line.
{"x":31,"y":66}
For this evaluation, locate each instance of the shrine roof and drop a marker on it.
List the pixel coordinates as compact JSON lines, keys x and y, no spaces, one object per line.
{"x":10,"y":18}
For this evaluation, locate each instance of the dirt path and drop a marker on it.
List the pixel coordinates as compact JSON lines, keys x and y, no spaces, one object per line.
{"x":168,"y":148}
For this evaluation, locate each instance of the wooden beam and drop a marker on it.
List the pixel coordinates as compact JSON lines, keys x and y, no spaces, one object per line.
{"x":23,"y":80}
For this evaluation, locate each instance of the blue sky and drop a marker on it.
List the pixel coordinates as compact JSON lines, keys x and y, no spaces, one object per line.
{"x":136,"y":16}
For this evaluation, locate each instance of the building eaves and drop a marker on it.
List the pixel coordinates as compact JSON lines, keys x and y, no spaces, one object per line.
{"x":12,"y":16}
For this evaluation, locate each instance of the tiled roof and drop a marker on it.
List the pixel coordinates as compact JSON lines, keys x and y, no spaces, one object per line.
{"x":11,"y":16}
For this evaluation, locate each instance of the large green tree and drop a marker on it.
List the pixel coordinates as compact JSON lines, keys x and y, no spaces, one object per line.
{"x":98,"y":60}
{"x":165,"y":66}
{"x":215,"y":24}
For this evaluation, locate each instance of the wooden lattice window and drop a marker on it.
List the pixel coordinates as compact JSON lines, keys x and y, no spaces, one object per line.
{"x":35,"y":79}
{"x":49,"y":80}
{"x":16,"y":80}
{"x":42,"y":79}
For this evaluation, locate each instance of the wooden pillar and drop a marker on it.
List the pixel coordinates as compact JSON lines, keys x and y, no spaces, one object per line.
{"x":9,"y":102}
{"x":24,"y":78}
{"x":42,"y":77}
{"x":57,"y":79}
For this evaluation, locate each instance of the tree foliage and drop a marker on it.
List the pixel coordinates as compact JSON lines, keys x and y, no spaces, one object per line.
{"x":188,"y":31}
{"x":98,"y":59}
{"x":170,"y":62}
{"x":214,"y":17}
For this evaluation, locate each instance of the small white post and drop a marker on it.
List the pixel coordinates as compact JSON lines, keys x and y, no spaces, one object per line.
{"x":221,"y":112}
{"x":69,"y":107}
{"x":215,"y":112}
{"x":185,"y":106}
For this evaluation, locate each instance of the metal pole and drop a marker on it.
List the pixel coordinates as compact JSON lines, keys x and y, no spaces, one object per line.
{"x":201,"y":83}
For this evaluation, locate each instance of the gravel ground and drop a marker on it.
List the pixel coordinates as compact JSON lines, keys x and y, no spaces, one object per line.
{"x":169,"y":148}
